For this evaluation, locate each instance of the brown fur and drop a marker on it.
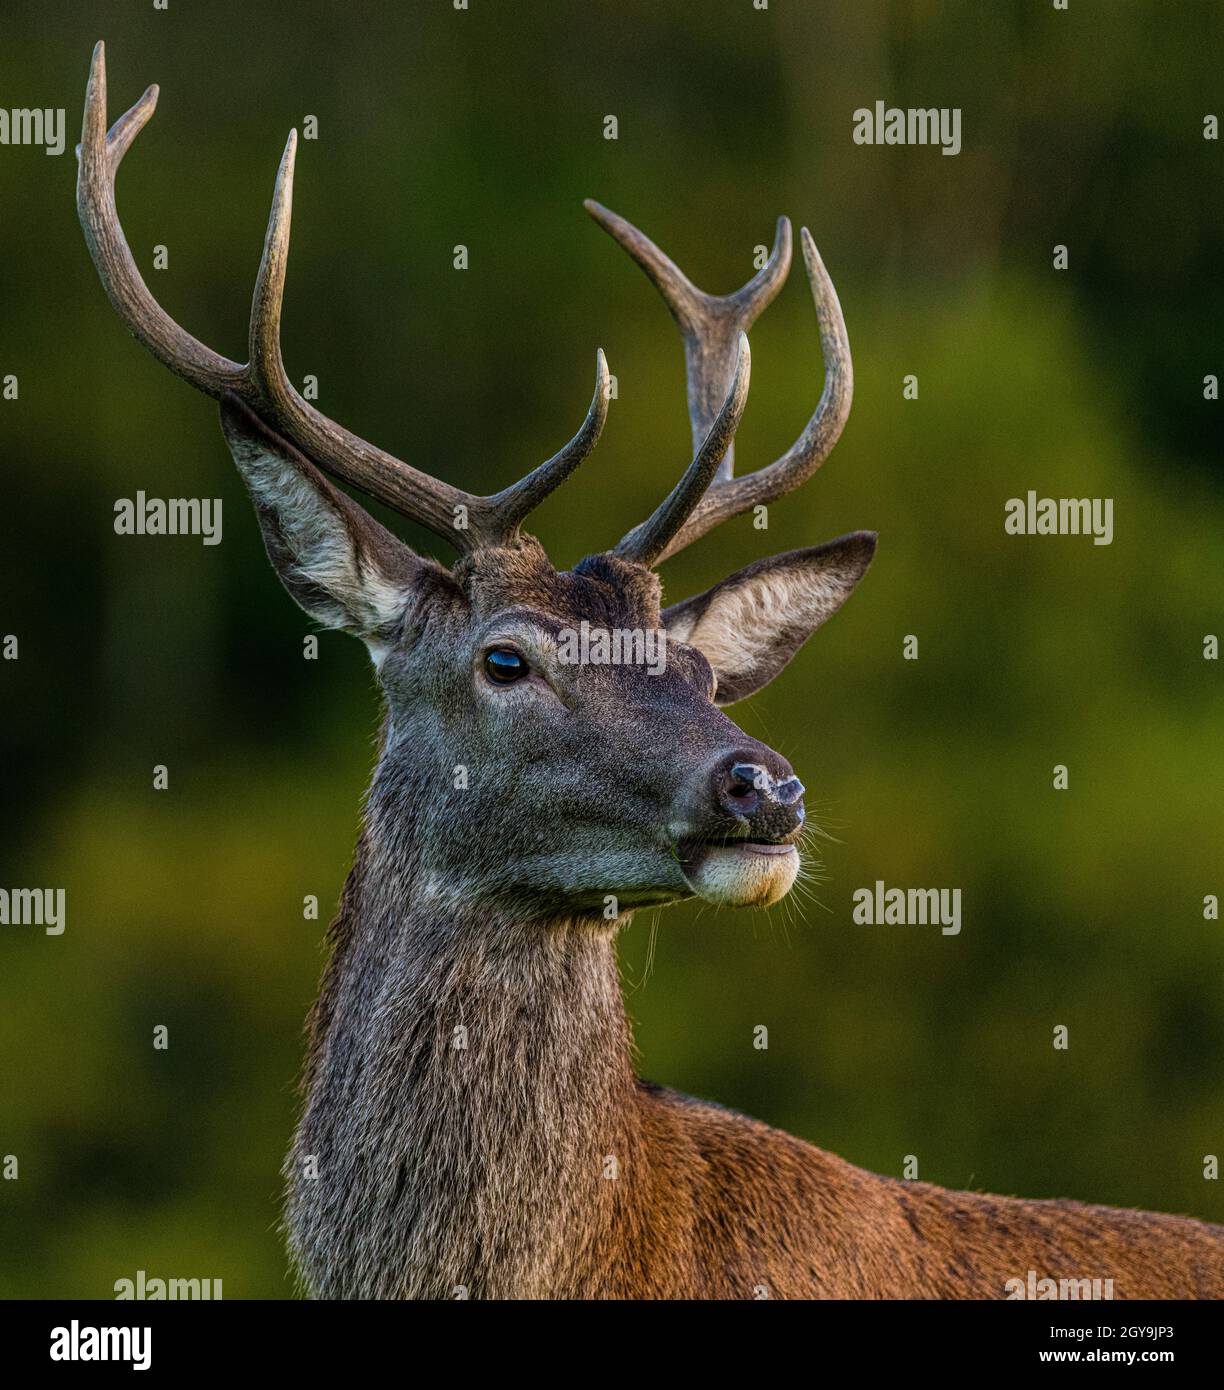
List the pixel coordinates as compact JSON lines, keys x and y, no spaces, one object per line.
{"x":509,"y":1144}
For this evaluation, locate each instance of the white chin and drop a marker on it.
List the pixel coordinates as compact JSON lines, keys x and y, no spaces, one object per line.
{"x":745,"y":875}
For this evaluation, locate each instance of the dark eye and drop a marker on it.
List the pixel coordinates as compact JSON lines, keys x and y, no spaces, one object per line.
{"x":505,"y":666}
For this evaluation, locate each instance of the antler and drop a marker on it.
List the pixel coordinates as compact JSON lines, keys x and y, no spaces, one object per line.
{"x":467,"y":521}
{"x":649,"y":541}
{"x":711,"y":325}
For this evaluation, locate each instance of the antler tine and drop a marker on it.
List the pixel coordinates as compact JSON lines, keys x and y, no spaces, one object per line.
{"x":703,"y":319}
{"x":425,"y":499}
{"x":512,"y":504}
{"x":100,"y":154}
{"x":710,"y":324}
{"x":820,"y":434}
{"x":647,"y":542}
{"x":467,"y":521}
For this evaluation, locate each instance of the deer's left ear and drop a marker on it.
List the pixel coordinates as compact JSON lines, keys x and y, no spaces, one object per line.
{"x":749,"y":626}
{"x":339,"y":564}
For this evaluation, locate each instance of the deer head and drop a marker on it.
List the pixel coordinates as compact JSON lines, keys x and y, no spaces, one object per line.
{"x":588,"y":781}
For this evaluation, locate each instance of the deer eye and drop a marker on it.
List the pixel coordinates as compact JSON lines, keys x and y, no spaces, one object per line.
{"x":504,"y":666}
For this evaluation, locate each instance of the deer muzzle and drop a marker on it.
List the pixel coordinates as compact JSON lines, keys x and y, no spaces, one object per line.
{"x":737,"y":835}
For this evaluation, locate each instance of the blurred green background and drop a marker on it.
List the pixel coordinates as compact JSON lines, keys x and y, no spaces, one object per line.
{"x":485,"y":127}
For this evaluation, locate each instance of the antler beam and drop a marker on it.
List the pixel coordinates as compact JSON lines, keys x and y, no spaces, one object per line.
{"x":467,"y":521}
{"x":710,"y":326}
{"x":647,"y":542}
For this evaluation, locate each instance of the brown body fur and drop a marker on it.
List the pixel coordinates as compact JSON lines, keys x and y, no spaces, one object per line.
{"x":487,"y":1169}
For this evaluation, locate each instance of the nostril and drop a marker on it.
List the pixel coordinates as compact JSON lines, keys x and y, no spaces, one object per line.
{"x":738,"y":784}
{"x":738,"y":791}
{"x":790,"y":791}
{"x":750,"y":775}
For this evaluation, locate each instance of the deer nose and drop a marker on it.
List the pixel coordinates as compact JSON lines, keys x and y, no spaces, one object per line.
{"x":744,"y":786}
{"x":767,"y":795}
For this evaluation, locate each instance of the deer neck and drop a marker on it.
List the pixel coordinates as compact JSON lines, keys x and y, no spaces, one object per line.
{"x":470,"y":1116}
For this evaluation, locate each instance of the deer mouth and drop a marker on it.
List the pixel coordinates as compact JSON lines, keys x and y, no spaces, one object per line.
{"x":694,"y":846}
{"x":738,"y":871}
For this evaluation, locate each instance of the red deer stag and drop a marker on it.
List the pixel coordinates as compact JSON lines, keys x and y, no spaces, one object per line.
{"x":471,"y":1118}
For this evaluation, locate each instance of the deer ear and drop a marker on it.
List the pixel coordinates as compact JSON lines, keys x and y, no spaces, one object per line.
{"x":339,"y":564}
{"x":749,"y":626}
